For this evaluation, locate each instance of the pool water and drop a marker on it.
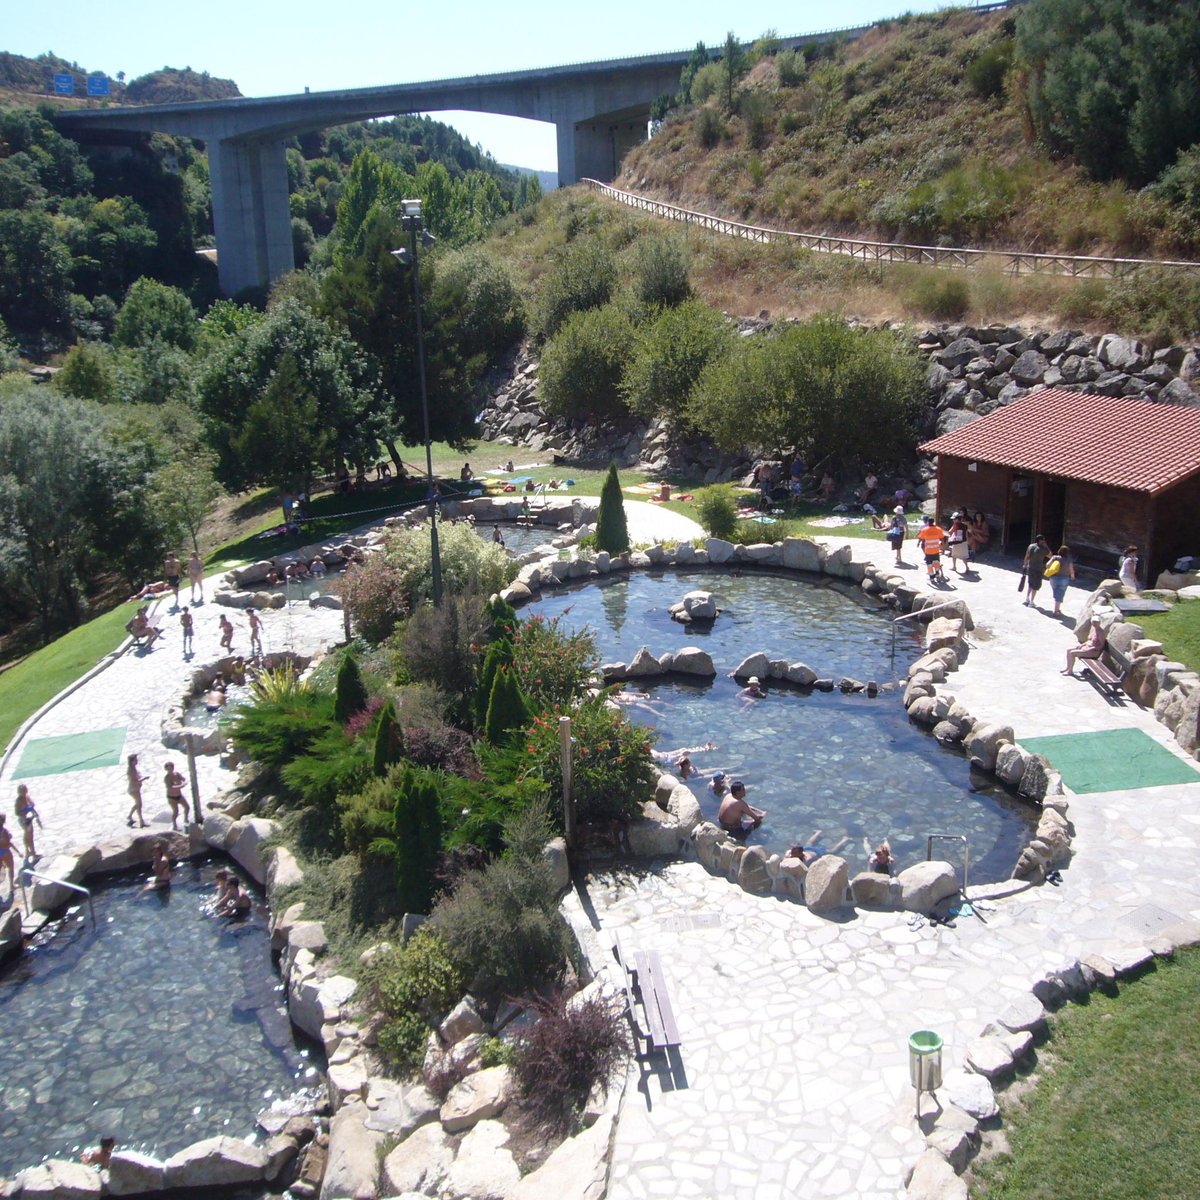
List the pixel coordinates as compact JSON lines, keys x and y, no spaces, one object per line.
{"x":520,"y":539}
{"x":161,"y":1026}
{"x":849,"y":765}
{"x":196,"y":713}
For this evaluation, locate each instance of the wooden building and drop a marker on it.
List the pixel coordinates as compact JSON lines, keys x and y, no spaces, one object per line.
{"x":1096,"y":472}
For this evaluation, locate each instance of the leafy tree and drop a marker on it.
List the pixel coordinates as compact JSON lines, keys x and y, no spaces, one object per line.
{"x":612,"y":529}
{"x":337,"y":414}
{"x":372,"y":185}
{"x":111,"y":243}
{"x":184,"y":493}
{"x":581,"y":366}
{"x":8,"y":351}
{"x":155,"y":373}
{"x":35,"y":269}
{"x":697,"y":59}
{"x":482,"y":290}
{"x":554,"y":664}
{"x":1113,"y":81}
{"x":709,"y":82}
{"x":351,"y":692}
{"x":584,"y":277}
{"x":669,"y":356}
{"x":155,"y":312}
{"x":661,"y":271}
{"x":716,"y":507}
{"x":733,"y":66}
{"x":88,"y":373}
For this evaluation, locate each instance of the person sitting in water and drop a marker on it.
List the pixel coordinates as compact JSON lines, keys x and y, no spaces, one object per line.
{"x":236,"y":903}
{"x":753,"y":690}
{"x":735,"y":815}
{"x":160,"y":870}
{"x":809,"y":852}
{"x":317,"y":568}
{"x":882,"y":860}
{"x":497,"y":536}
{"x":99,"y":1156}
{"x":717,"y":784}
{"x":214,"y":698}
{"x":222,"y":878}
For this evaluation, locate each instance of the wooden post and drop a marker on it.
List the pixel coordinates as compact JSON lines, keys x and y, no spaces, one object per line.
{"x":191,"y":753}
{"x":564,"y":738}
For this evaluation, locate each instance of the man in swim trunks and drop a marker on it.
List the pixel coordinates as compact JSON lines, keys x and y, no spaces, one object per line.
{"x":172,"y":570}
{"x":173,"y":782}
{"x":735,"y":815}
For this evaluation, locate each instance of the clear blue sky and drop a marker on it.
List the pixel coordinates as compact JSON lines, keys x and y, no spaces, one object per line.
{"x":269,"y":47}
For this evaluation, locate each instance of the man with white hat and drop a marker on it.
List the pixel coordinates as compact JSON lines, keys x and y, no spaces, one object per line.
{"x":753,"y":690}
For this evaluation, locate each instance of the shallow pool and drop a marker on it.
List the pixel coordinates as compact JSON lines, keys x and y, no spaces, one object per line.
{"x":849,"y":765}
{"x":198,"y":715}
{"x":519,"y":539}
{"x":161,"y":1026}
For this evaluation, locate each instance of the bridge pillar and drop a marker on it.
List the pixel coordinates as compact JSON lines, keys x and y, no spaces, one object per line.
{"x":594,"y":147}
{"x":251,"y":217}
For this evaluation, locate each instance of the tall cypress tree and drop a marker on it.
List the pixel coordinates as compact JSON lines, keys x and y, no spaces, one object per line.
{"x":612,"y":530}
{"x":508,"y":710}
{"x":417,"y":824}
{"x":499,"y":653}
{"x":351,"y":691}
{"x":389,"y":743}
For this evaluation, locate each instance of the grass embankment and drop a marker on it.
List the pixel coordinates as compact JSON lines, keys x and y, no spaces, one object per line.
{"x":1112,"y":1117}
{"x":1178,"y":630}
{"x":27,"y":685}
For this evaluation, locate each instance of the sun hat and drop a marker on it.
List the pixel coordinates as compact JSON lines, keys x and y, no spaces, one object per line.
{"x":956,"y":516}
{"x":899,"y":510}
{"x":754,"y":679}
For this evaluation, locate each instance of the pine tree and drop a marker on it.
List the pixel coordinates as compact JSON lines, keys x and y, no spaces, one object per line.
{"x":389,"y":744}
{"x":508,"y":710}
{"x":351,"y":691}
{"x":499,"y":653}
{"x":417,"y":825}
{"x":612,"y":530}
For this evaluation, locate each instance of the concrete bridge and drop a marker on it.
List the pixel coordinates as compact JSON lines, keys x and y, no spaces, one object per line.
{"x":600,"y":111}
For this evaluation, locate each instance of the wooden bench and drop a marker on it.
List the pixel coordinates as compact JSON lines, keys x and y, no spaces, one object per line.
{"x":1108,"y":671}
{"x":646,"y":974}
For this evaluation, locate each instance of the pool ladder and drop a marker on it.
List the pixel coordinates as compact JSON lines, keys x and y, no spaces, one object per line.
{"x":966,"y":852}
{"x":28,"y":873}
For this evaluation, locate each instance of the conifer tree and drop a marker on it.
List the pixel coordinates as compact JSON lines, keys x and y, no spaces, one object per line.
{"x":417,"y":843}
{"x":499,"y":653}
{"x":612,"y":530}
{"x":389,"y":744}
{"x":351,"y":691}
{"x":508,"y":710}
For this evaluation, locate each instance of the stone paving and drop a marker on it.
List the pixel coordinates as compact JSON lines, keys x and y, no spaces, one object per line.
{"x":792,"y":1076}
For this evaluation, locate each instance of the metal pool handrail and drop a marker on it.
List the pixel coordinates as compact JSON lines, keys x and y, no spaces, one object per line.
{"x":29,"y":873}
{"x":957,"y":605}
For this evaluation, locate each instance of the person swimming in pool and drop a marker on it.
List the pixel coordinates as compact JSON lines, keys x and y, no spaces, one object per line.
{"x":808,"y":852}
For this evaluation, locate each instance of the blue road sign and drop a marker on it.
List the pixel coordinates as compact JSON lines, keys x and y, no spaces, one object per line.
{"x":64,"y":85}
{"x":97,"y":85}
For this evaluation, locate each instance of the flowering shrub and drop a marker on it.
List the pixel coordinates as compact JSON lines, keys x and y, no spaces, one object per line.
{"x":612,"y":773}
{"x":553,"y":664}
{"x":375,"y":597}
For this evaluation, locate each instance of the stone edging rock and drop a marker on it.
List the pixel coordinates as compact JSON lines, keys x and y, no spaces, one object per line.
{"x":967,"y":1095}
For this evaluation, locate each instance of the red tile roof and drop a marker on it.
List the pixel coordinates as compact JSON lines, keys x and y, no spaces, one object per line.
{"x":1119,"y":441}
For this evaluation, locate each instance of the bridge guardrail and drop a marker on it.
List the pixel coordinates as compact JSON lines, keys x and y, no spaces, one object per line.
{"x":1013,"y":262}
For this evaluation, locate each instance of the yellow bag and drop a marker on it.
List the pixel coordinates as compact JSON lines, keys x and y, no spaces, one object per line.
{"x":1053,"y":567}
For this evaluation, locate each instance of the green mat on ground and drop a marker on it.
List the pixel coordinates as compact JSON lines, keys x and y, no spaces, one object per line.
{"x":1112,"y":760}
{"x":71,"y":752}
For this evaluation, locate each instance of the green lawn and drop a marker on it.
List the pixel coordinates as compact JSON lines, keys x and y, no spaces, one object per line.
{"x":1178,"y":630}
{"x":1113,"y":1117}
{"x":25,"y":687}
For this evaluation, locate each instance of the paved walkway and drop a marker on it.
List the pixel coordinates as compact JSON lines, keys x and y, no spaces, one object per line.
{"x":648,"y":521}
{"x":83,"y":807}
{"x":794,"y":1076}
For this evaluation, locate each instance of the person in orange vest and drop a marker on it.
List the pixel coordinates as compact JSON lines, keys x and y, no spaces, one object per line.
{"x":931,"y":537}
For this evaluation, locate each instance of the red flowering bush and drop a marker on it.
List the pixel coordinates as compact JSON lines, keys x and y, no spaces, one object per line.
{"x":553,"y":664}
{"x":612,"y":775}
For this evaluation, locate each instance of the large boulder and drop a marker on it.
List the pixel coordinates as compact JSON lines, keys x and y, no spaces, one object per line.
{"x":656,"y":834}
{"x":555,"y":853}
{"x":719,"y":550}
{"x":215,"y":1162}
{"x":249,"y":846}
{"x":826,"y":883}
{"x":1122,"y":354}
{"x":695,"y":606}
{"x":685,"y":808}
{"x":58,"y":1179}
{"x":925,"y":884}
{"x":984,"y":742}
{"x":970,"y":1092}
{"x":801,"y":554}
{"x":477,"y":1098}
{"x":317,"y":1002}
{"x":576,"y":1170}
{"x":352,"y":1166}
{"x":131,"y":1173}
{"x":46,"y":897}
{"x":754,"y":664}
{"x":644,"y":664}
{"x":752,"y":875}
{"x":10,"y":932}
{"x":874,"y":890}
{"x":397,"y":1108}
{"x":283,"y":872}
{"x":933,"y":1178}
{"x":691,"y":660}
{"x":483,"y":1169}
{"x":419,"y":1164}
{"x":1030,"y":368}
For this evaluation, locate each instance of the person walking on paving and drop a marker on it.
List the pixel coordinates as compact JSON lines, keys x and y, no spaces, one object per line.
{"x":188,"y":626}
{"x":136,"y":779}
{"x":6,"y":857}
{"x":195,"y":570}
{"x":173,"y":781}
{"x":1034,"y":566}
{"x":27,"y":813}
{"x":255,"y":620}
{"x":172,"y":570}
{"x":226,"y":633}
{"x":930,"y":540}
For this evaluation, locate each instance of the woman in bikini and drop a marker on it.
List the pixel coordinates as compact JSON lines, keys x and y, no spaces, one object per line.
{"x":6,"y":857}
{"x":27,"y":814}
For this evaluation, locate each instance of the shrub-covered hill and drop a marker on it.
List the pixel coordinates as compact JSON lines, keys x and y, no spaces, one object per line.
{"x":933,"y":129}
{"x":34,"y":77}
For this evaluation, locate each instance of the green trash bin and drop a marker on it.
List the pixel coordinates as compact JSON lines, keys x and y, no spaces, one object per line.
{"x":925,"y":1061}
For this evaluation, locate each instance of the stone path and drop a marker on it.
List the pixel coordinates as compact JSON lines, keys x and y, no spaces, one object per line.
{"x":793,"y":1067}
{"x":83,"y":807}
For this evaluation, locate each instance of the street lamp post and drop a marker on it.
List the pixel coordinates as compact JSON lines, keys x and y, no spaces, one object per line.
{"x":411,"y":221}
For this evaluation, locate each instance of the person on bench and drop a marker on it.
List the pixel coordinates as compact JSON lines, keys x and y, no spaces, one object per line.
{"x":1092,"y":648}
